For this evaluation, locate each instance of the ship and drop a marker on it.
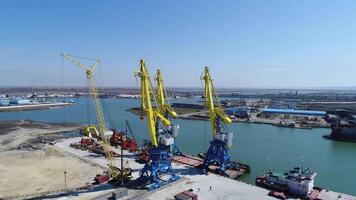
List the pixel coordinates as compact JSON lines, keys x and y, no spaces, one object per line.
{"x":343,"y":126}
{"x":298,"y":182}
{"x":342,"y":133}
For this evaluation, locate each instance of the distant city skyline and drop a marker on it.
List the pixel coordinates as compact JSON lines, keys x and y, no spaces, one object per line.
{"x":246,"y":44}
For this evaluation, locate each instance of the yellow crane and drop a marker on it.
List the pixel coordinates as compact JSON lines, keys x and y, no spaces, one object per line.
{"x":222,"y":140}
{"x":169,"y":133}
{"x":159,"y":162}
{"x":113,"y":171}
{"x":148,"y":93}
{"x":215,"y":110}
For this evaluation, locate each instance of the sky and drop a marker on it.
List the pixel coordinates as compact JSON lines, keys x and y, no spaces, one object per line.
{"x":245,"y":43}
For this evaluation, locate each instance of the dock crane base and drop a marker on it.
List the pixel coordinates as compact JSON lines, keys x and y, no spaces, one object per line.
{"x":218,"y":153}
{"x":217,"y":158}
{"x":159,"y":164}
{"x":176,"y":151}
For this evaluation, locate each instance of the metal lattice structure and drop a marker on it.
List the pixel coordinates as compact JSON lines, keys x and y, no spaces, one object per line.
{"x":98,"y":108}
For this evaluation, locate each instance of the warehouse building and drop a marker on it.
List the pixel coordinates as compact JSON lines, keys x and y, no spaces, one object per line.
{"x":293,"y":112}
{"x":16,"y":101}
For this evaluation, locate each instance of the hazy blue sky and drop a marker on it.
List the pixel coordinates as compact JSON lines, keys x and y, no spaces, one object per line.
{"x":266,"y":43}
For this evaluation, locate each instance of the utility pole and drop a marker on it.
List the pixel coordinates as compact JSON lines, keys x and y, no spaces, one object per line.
{"x":65,"y":179}
{"x":121,"y":157}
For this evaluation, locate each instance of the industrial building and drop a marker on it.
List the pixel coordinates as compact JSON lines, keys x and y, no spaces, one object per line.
{"x":241,"y":112}
{"x":14,"y":101}
{"x":293,"y":112}
{"x":18,"y":101}
{"x":4,"y":102}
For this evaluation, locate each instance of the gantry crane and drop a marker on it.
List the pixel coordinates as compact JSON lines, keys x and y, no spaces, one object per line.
{"x":222,"y":140}
{"x":159,"y":162}
{"x":166,"y":110}
{"x":114,"y":172}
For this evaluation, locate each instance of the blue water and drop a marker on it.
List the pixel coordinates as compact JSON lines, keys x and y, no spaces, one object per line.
{"x":258,"y":145}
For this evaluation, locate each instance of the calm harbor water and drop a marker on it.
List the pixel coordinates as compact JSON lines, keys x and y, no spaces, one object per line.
{"x":260,"y":146}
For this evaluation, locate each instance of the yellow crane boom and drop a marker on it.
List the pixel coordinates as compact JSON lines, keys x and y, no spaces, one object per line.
{"x":217,"y":154}
{"x":215,"y":109}
{"x":159,"y":161}
{"x":98,"y":108}
{"x":148,"y":93}
{"x":165,"y":109}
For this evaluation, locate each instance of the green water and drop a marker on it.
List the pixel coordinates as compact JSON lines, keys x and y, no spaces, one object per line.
{"x":258,"y":145}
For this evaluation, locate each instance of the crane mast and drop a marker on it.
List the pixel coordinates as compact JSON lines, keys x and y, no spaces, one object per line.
{"x":216,"y":113}
{"x":146,"y":104}
{"x":165,"y":109}
{"x":169,"y":133}
{"x":159,"y":162}
{"x":98,"y":108}
{"x":148,"y":93}
{"x":222,"y":140}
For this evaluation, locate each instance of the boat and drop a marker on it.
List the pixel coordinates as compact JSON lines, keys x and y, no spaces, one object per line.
{"x":343,"y":125}
{"x":342,"y":133}
{"x":291,"y":124}
{"x":298,"y":182}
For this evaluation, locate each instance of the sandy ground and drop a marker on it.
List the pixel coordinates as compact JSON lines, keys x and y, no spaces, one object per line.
{"x":15,"y":133}
{"x":24,"y":172}
{"x":40,"y":167}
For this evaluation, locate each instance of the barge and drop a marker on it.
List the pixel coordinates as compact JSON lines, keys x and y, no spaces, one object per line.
{"x":298,"y":182}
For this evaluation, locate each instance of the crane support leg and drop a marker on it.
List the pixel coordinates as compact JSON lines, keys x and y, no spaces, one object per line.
{"x":159,"y":164}
{"x":218,"y":153}
{"x":175,"y":149}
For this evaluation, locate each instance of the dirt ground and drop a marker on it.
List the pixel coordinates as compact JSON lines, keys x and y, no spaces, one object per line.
{"x":24,"y":172}
{"x":15,"y":134}
{"x":28,"y":164}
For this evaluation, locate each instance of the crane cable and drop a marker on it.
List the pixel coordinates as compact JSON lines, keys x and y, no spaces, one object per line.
{"x":205,"y":124}
{"x":103,"y":102}
{"x":81,"y":57}
{"x":141,"y":111}
{"x":215,"y":96}
{"x":62,"y":80}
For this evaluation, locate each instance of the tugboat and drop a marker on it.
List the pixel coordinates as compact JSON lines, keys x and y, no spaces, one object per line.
{"x":298,"y":182}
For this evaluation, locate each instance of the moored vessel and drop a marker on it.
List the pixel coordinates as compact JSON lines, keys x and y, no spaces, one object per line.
{"x":298,"y":182}
{"x":342,"y":133}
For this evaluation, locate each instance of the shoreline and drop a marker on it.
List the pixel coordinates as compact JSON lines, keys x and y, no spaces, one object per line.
{"x":33,"y":107}
{"x":192,"y":116}
{"x":256,"y":122}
